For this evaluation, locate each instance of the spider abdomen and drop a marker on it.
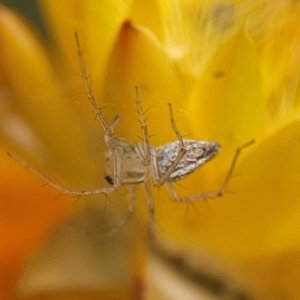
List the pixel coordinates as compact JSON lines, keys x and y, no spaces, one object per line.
{"x":197,"y":154}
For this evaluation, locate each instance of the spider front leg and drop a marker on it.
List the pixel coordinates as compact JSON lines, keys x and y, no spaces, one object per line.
{"x":86,"y":192}
{"x":212,"y":195}
{"x":97,"y":110}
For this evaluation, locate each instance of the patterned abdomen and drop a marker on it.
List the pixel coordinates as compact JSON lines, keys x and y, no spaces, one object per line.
{"x":197,"y":154}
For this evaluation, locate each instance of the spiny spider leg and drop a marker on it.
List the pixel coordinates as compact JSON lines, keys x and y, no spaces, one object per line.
{"x":110,"y":138}
{"x":129,"y":215}
{"x":151,"y":208}
{"x":180,"y":154}
{"x":71,"y":192}
{"x":108,"y":132}
{"x":211,"y":195}
{"x":146,"y":155}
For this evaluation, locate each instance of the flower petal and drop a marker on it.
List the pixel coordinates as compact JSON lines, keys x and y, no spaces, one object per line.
{"x":26,"y":214}
{"x":138,"y":59}
{"x":273,"y":276}
{"x":260,"y":217}
{"x":97,"y":24}
{"x":146,"y":14}
{"x":227,"y":103}
{"x":32,"y":90}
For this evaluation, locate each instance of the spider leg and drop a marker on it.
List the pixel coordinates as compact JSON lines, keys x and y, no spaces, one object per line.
{"x":146,"y":154}
{"x":151,"y":208}
{"x":129,"y":215}
{"x":161,"y":180}
{"x":211,"y":195}
{"x":108,"y":130}
{"x":79,"y":193}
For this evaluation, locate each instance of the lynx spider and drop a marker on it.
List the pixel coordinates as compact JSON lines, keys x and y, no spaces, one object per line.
{"x":131,"y":164}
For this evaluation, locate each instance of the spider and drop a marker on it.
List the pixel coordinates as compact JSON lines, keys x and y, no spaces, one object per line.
{"x":131,"y":164}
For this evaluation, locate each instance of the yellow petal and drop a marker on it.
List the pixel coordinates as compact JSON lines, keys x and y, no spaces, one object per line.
{"x":138,"y":59}
{"x":146,"y":14}
{"x":97,"y":24}
{"x":227,"y":107}
{"x":259,"y":218}
{"x":32,"y":89}
{"x":227,"y":104}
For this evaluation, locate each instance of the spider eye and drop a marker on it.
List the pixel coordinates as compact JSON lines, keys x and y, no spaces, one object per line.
{"x":109,"y":179}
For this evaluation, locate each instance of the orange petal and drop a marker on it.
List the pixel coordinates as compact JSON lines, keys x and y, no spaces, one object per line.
{"x":27,"y":213}
{"x":273,"y":276}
